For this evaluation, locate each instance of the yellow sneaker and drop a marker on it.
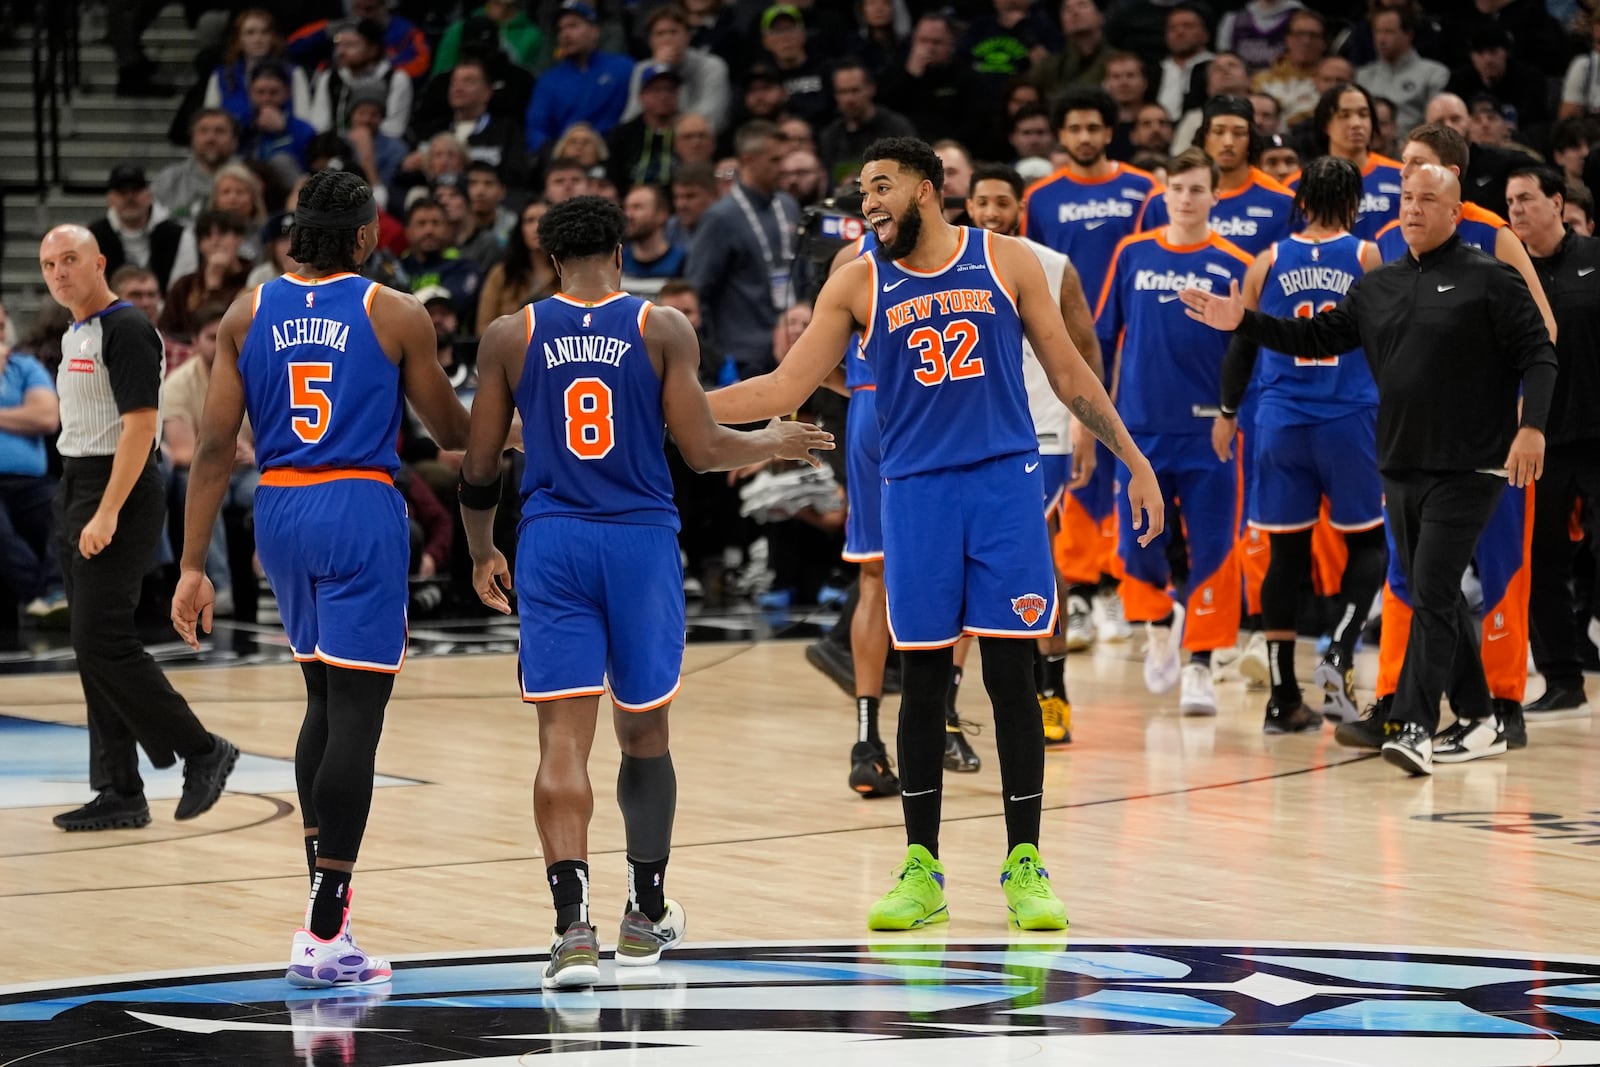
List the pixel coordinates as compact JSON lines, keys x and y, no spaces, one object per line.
{"x":1057,"y":715}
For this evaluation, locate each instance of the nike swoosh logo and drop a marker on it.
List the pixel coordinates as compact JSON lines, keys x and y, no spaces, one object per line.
{"x":1205,"y":611}
{"x":1255,"y":550}
{"x":1095,"y":225}
{"x":923,"y":793}
{"x":1030,"y":796}
{"x":1585,"y":272}
{"x":1498,"y":636}
{"x":1446,"y":288}
{"x":895,"y":285}
{"x":1030,"y":468}
{"x":1168,"y":298}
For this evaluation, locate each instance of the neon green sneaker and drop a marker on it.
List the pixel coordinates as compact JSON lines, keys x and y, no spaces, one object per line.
{"x":917,"y":899}
{"x":1031,"y":901}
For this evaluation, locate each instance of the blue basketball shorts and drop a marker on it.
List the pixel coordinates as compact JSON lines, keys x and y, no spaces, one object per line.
{"x":599,"y":603}
{"x":337,"y":551}
{"x":1296,"y":467}
{"x":863,"y":452}
{"x":967,"y":551}
{"x":1054,"y":474}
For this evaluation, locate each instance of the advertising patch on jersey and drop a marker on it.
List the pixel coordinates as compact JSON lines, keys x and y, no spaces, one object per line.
{"x":1030,"y":607}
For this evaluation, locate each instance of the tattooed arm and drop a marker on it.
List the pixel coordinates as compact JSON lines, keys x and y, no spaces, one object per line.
{"x":1073,"y":380}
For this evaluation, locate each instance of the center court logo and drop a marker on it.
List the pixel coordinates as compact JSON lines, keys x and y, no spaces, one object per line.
{"x":961,"y":1003}
{"x":1030,"y":607}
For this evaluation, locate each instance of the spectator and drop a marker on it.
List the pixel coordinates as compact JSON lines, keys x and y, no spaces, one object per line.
{"x":518,"y":36}
{"x":796,"y":133}
{"x":740,"y":258}
{"x":957,"y":179}
{"x":273,"y":135}
{"x":219,"y":236}
{"x":1008,"y":39}
{"x":861,"y":121}
{"x":1398,"y":72}
{"x":564,"y":179}
{"x":693,"y":140}
{"x":1030,"y":135}
{"x":764,"y":98}
{"x":379,"y":156}
{"x":1385,"y":128}
{"x":1269,"y":113}
{"x":1578,"y":211}
{"x":137,"y":285}
{"x":694,"y":190}
{"x":523,"y":276}
{"x":583,"y":144}
{"x":1279,"y":157}
{"x":254,"y":40}
{"x":1187,"y":37}
{"x":1492,"y":70}
{"x":1536,"y":38}
{"x":641,"y":148}
{"x":1152,"y":130}
{"x":184,"y":188}
{"x":882,"y":30}
{"x":359,"y":62}
{"x":1292,"y":80}
{"x":403,"y":45}
{"x":432,"y":259}
{"x":1140,"y":27}
{"x":1493,"y":126}
{"x":1225,"y":76}
{"x":1129,"y":89}
{"x":649,"y":258}
{"x":703,"y":76}
{"x":1359,"y":45}
{"x":586,"y":86}
{"x":451,"y":194}
{"x":804,"y":177}
{"x":783,"y":37}
{"x":275,"y":261}
{"x":446,"y":329}
{"x":929,"y":87}
{"x":440,"y":158}
{"x":488,"y":137}
{"x":1484,"y":180}
{"x":1569,"y":147}
{"x":491,"y":222}
{"x":1580,"y":89}
{"x":1258,"y":33}
{"x":1333,"y":70}
{"x":511,"y":85}
{"x":29,"y":414}
{"x":1083,"y":56}
{"x":135,"y":228}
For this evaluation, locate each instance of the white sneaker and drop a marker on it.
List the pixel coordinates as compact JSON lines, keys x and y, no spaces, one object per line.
{"x":1196,"y":696}
{"x":641,"y":942}
{"x":1469,"y":739}
{"x":1113,"y":626}
{"x":1162,"y":653}
{"x":318,"y":964}
{"x":1225,"y":665}
{"x":1254,"y":663}
{"x":1080,"y":624}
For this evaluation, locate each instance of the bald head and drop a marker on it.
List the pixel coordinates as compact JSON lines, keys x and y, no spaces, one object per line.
{"x":74,"y":270}
{"x":1430,"y":207}
{"x":1450,"y":110}
{"x":70,"y":235}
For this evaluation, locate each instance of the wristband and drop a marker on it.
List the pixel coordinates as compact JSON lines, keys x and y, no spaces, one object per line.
{"x":478,"y":497}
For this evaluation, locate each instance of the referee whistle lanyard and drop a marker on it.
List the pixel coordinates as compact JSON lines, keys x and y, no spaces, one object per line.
{"x":777,"y":268}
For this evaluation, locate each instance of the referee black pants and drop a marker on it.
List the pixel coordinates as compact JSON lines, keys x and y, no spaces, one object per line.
{"x":1436,"y":518}
{"x":1571,"y":472}
{"x":130,"y":701}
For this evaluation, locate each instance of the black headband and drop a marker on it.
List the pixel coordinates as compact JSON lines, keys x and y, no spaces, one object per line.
{"x":350,"y":218}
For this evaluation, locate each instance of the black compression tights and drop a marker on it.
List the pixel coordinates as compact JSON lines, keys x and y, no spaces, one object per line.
{"x":335,"y":757}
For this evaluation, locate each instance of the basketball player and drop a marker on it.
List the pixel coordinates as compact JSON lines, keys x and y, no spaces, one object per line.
{"x":324,"y":361}
{"x":1343,"y":120}
{"x":596,"y":375}
{"x":1082,"y":211}
{"x":942,"y":310}
{"x":1168,"y":376}
{"x":1315,"y":437}
{"x":1501,"y":558}
{"x":1066,"y":450}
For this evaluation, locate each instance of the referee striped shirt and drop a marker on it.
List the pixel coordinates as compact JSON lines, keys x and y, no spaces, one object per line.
{"x":111,"y":363}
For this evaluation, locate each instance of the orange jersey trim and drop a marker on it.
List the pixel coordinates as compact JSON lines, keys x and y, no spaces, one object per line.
{"x":529,"y":316}
{"x":281,"y":477}
{"x":961,"y":246}
{"x":320,"y":281}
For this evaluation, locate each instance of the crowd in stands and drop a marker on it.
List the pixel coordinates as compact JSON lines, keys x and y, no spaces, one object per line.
{"x":715,"y":124}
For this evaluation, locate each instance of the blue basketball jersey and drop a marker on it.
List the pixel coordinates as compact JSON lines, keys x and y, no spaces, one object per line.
{"x":1308,"y":276}
{"x":590,"y":401}
{"x":1084,"y":219}
{"x":319,"y":390}
{"x":1380,"y":196}
{"x":946,"y":351}
{"x":1168,"y":373}
{"x":1251,"y":216}
{"x":1479,"y":227}
{"x":857,"y":371}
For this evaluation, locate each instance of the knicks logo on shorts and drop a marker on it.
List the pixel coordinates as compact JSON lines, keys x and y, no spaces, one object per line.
{"x":1030,"y":607}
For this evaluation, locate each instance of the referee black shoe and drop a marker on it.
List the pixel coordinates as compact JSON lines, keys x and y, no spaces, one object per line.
{"x":1559,"y":702}
{"x":109,"y":810}
{"x":204,"y":776}
{"x":1512,"y":723}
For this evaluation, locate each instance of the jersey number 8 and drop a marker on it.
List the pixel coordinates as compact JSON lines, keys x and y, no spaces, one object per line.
{"x":1303,"y":310}
{"x":591,"y":433}
{"x":306,"y":392}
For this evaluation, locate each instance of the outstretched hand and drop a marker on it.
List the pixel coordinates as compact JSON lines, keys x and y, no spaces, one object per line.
{"x":1145,"y":504}
{"x":799,"y":440}
{"x":1218,"y":312}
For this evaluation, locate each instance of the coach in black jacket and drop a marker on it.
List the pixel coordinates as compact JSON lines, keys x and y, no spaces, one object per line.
{"x":1450,"y":334}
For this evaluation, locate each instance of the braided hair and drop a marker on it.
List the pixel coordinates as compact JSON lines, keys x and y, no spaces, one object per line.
{"x":1330,"y":192}
{"x":323,"y":249}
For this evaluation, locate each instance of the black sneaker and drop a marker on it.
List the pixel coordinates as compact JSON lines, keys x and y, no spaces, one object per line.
{"x":958,"y":754}
{"x":834,"y":660}
{"x":1558,"y":702}
{"x":204,"y":776}
{"x":1468,"y":739}
{"x":1410,"y":748}
{"x":1369,"y":731}
{"x":1512,"y":723}
{"x":1337,"y":680}
{"x":1297,"y":720}
{"x":870,"y":775}
{"x":107,"y":811}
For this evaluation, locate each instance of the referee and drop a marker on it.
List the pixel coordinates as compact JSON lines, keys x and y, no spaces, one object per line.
{"x":1568,"y":265}
{"x":109,"y":517}
{"x":1450,"y":334}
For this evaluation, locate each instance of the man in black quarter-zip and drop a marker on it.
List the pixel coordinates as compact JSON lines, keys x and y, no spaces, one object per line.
{"x":1568,"y":265}
{"x":1450,"y":335}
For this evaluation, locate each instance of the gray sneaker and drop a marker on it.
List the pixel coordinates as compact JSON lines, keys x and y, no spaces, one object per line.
{"x":641,"y":942}
{"x":574,"y":959}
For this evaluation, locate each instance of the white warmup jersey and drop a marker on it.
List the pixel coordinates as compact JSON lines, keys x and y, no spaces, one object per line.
{"x":1051,"y":419}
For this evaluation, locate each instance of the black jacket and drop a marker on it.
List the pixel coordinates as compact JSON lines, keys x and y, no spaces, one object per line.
{"x":164,"y":239}
{"x":1571,"y":279}
{"x":1449,"y":340}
